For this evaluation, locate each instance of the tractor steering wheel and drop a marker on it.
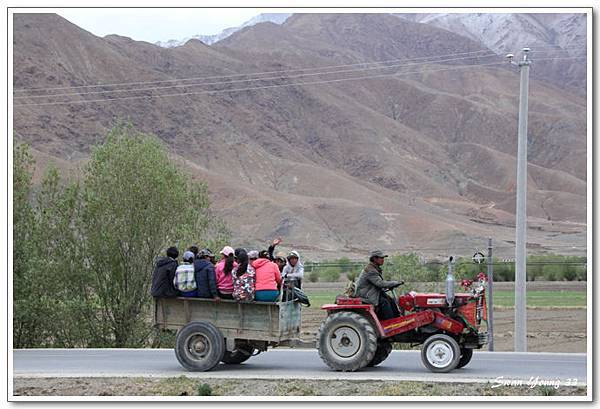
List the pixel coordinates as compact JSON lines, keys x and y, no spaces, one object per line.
{"x":394,"y":286}
{"x":391,"y":289}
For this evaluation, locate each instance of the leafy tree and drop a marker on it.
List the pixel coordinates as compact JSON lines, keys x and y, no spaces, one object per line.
{"x":466,"y":268}
{"x":84,"y":253}
{"x":330,"y":274}
{"x":534,"y":269}
{"x":136,"y":204}
{"x":407,"y":267}
{"x":503,"y":271}
{"x":26,"y":312}
{"x":352,"y":275}
{"x":552,"y":272}
{"x":345,"y":264}
{"x":45,"y":257}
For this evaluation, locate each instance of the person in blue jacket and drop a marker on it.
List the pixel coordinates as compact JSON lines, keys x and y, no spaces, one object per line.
{"x":204,"y":272}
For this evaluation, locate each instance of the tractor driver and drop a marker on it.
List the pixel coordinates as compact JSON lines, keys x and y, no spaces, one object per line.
{"x":371,"y":287}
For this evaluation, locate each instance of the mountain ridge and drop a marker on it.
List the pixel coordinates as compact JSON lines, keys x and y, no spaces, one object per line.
{"x":394,"y":162}
{"x":209,"y":39}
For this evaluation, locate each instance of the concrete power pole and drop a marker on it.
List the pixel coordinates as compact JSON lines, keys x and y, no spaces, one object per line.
{"x":490,"y":274}
{"x":520,"y":336}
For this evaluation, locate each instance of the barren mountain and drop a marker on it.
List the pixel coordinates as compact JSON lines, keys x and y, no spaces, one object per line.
{"x":277,"y":18}
{"x":419,"y":156}
{"x":547,"y":34}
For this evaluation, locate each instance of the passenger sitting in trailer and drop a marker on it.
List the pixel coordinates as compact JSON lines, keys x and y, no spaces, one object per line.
{"x":268,"y":279}
{"x":371,"y":287}
{"x":204,"y":273}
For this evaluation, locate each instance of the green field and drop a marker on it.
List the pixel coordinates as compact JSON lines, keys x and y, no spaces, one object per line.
{"x":558,"y":298}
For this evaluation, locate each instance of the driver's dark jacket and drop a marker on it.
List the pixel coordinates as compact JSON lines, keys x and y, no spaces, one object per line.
{"x":370,"y":284}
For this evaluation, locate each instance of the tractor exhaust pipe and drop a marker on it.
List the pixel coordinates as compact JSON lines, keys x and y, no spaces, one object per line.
{"x":450,"y":282}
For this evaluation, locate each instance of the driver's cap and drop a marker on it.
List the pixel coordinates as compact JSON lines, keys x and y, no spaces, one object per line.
{"x":378,"y":253}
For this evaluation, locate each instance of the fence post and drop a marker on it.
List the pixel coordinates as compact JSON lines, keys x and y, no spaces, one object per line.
{"x":490,"y":274}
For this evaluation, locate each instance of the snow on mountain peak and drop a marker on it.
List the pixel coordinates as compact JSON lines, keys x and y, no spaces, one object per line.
{"x":277,"y":18}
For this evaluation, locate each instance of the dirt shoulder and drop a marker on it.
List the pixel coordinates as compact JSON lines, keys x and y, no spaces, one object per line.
{"x":184,"y":386}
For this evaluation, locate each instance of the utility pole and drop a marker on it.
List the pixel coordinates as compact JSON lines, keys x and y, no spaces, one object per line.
{"x":520,"y":336}
{"x":490,"y":274}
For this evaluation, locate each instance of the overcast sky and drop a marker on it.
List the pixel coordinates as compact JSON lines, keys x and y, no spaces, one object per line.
{"x":157,"y":24}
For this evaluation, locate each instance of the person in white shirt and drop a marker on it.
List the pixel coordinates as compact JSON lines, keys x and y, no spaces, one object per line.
{"x":293,"y":272}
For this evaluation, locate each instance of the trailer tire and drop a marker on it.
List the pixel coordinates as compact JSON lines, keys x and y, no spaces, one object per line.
{"x":355,"y":341}
{"x":440,"y":353}
{"x":384,"y":349}
{"x":465,"y":357}
{"x":236,"y":357}
{"x":199,"y":346}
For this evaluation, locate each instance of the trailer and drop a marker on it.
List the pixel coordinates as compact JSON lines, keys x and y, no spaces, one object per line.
{"x":209,"y":331}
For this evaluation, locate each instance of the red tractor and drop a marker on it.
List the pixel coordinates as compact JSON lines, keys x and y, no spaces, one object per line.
{"x":448,"y":326}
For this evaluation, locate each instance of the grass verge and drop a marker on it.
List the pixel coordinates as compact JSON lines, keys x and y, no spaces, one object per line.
{"x":187,"y":386}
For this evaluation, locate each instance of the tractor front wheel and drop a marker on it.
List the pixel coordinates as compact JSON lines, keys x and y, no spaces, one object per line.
{"x":347,"y":341}
{"x":465,"y":357}
{"x":440,"y":353}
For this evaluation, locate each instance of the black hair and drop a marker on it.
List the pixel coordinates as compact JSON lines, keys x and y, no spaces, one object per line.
{"x":372,"y":259}
{"x":172,"y":252}
{"x":263,"y":254}
{"x":242,"y":258}
{"x":228,"y":265}
{"x":194,"y":249}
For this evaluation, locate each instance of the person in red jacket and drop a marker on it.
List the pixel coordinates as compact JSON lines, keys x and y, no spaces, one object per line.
{"x":268,"y":280}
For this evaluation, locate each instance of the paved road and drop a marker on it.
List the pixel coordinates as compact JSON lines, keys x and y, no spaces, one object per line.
{"x":492,"y":367}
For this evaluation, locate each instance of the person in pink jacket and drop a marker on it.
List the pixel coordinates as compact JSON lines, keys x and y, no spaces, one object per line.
{"x":223,"y":271}
{"x":268,"y":280}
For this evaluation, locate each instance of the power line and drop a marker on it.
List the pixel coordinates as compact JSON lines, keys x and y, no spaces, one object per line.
{"x":246,"y":74}
{"x":272,"y":86}
{"x":257,"y":73}
{"x":254,"y":88}
{"x":249,"y":80}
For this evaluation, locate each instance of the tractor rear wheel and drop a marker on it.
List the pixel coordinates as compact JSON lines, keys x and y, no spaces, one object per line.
{"x":199,"y":346}
{"x":384,"y":348}
{"x":440,"y":353}
{"x":347,"y":341}
{"x":465,"y":357}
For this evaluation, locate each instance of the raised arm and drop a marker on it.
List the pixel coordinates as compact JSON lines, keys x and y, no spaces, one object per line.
{"x":271,"y":249}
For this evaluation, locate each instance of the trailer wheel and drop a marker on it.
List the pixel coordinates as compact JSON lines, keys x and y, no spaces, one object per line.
{"x":200,"y":346}
{"x":346,"y":341}
{"x":440,"y":353}
{"x":236,"y":357}
{"x":384,"y":348}
{"x":465,"y":357}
